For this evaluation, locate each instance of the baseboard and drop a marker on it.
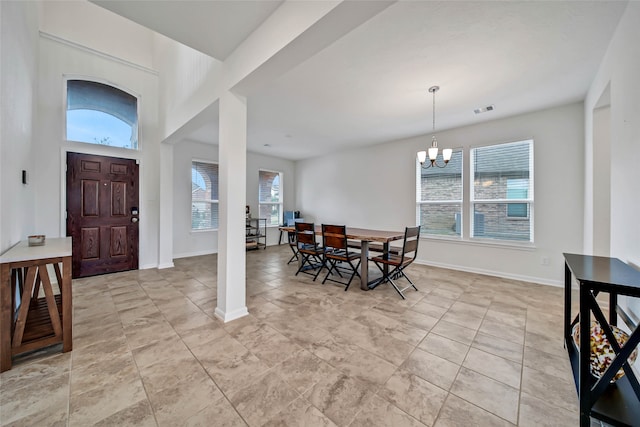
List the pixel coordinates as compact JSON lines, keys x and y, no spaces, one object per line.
{"x":196,"y":253}
{"x":204,"y":252}
{"x":233,"y":315}
{"x":501,"y":274}
{"x":166,"y":265}
{"x":147,"y":266}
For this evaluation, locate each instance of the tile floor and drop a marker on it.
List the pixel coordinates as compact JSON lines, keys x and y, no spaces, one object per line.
{"x":466,"y":350}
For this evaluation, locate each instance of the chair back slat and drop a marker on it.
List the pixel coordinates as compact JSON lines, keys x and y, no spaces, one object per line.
{"x":305,"y":238}
{"x":305,"y":226}
{"x":411,"y":246}
{"x":334,"y":236}
{"x":305,"y":234}
{"x":411,"y":240}
{"x":412,"y":231}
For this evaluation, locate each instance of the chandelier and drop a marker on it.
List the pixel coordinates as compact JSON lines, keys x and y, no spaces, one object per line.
{"x":433,"y":150}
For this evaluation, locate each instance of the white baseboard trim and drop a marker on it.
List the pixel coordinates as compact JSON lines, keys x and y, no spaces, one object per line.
{"x":166,"y":265}
{"x":539,"y":280}
{"x":235,"y":314}
{"x":205,"y":252}
{"x":147,"y":266}
{"x":196,"y":253}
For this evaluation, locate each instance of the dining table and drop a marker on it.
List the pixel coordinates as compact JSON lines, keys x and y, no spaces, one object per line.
{"x":365,"y":236}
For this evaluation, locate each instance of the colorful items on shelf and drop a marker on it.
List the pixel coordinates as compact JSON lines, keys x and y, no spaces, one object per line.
{"x":602,"y":353}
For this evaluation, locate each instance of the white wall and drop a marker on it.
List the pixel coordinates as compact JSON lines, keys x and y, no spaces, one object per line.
{"x":190,"y":243}
{"x":620,"y":69}
{"x":187,"y":78}
{"x":59,"y":59}
{"x":601,"y":196}
{"x":100,"y":29}
{"x":18,"y":91}
{"x":375,"y":188}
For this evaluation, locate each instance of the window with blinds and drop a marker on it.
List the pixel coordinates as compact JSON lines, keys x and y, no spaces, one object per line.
{"x":270,"y":196}
{"x":101,"y":114}
{"x":502,"y":191}
{"x":439,"y":198}
{"x":204,"y":195}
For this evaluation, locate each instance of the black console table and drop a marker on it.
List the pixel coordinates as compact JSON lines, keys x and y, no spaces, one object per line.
{"x":618,"y":403}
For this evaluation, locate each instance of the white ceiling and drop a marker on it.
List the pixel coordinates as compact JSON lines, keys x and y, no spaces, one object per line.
{"x":371,"y":85}
{"x":213,"y":27}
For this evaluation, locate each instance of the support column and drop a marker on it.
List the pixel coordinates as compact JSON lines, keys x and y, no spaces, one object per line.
{"x":165,"y":233}
{"x":231,"y":207}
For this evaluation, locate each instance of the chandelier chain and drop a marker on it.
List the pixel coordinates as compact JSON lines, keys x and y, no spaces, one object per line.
{"x":434,"y":111}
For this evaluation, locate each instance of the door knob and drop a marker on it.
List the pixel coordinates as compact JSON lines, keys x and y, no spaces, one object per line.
{"x":134,"y":220}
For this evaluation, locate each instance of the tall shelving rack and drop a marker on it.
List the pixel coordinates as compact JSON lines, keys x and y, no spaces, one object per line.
{"x":256,"y":233}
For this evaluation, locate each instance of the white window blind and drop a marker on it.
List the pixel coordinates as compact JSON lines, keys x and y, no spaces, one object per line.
{"x":204,"y":195}
{"x":502,"y":191}
{"x":439,"y":197}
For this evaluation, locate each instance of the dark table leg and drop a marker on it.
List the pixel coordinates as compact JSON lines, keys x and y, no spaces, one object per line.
{"x":567,"y":304}
{"x":67,"y":305}
{"x":6,"y":317}
{"x":364,"y":265}
{"x":613,"y":303}
{"x":385,"y":253}
{"x":585,"y":353}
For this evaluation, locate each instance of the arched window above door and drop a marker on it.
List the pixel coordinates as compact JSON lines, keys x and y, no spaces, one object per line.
{"x":101,"y":114}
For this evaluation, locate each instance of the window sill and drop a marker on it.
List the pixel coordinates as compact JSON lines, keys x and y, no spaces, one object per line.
{"x":524,"y":246}
{"x":203,"y":230}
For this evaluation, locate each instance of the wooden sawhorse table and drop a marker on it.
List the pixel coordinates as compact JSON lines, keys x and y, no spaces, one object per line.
{"x":37,"y":321}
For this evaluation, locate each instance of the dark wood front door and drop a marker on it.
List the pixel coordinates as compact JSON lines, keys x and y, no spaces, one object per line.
{"x":102,"y":213}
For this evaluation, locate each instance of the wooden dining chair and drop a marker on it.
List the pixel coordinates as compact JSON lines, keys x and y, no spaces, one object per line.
{"x":293,"y":244}
{"x":400,"y":261}
{"x":337,"y":254}
{"x":310,"y":251}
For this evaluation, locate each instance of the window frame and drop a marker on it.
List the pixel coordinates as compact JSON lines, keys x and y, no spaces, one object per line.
{"x":280,"y":203}
{"x":137,"y":96}
{"x":198,"y":200}
{"x":460,"y":202}
{"x":517,"y":201}
{"x":529,"y":200}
